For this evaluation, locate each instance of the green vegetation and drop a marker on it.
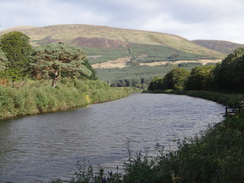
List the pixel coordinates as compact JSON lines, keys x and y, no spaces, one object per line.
{"x":140,"y":53}
{"x":103,"y":44}
{"x":226,"y":76}
{"x":229,"y":75}
{"x":215,"y":155}
{"x":25,"y":75}
{"x":3,"y":61}
{"x":201,"y":78}
{"x":175,"y":79}
{"x":99,"y":55}
{"x":54,"y":60}
{"x":17,"y":49}
{"x":138,"y":76}
{"x":33,"y":97}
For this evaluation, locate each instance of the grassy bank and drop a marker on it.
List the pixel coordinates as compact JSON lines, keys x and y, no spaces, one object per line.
{"x":215,"y":155}
{"x":34,"y":97}
{"x":228,"y":99}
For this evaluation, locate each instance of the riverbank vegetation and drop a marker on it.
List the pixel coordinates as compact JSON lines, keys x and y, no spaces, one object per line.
{"x":227,"y":76}
{"x":34,"y":97}
{"x":47,"y":78}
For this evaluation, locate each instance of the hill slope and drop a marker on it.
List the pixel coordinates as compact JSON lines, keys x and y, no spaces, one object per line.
{"x":103,"y":43}
{"x":225,"y":47}
{"x":121,"y":56}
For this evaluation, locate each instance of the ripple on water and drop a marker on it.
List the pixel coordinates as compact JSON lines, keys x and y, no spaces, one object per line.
{"x":43,"y":147}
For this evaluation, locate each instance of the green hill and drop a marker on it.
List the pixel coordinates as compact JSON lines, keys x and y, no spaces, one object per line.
{"x":103,"y":43}
{"x":109,"y":48}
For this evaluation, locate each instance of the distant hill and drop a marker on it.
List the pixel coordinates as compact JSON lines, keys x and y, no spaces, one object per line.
{"x":108,"y":44}
{"x":225,"y":47}
{"x":125,"y":57}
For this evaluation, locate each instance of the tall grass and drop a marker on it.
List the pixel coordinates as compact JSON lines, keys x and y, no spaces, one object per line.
{"x":24,"y":98}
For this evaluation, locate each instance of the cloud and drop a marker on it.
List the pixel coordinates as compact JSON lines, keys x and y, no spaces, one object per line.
{"x":192,"y":19}
{"x":46,"y":12}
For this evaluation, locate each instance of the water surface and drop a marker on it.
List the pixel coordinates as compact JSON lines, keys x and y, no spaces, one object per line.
{"x":43,"y":147}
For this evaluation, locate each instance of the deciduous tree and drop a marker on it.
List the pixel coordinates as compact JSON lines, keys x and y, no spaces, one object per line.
{"x":229,"y":75}
{"x":17,"y":49}
{"x":176,"y":79}
{"x":201,"y":78}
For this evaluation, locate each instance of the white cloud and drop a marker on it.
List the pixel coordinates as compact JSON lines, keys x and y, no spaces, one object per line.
{"x":193,"y":19}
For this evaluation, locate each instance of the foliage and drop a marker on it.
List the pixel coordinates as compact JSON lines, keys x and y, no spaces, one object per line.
{"x":33,"y":97}
{"x":201,"y":78}
{"x":154,"y":53}
{"x":226,"y":76}
{"x":156,"y":84}
{"x":229,"y":75}
{"x":176,"y":79}
{"x":133,"y":75}
{"x":55,"y":59}
{"x":3,"y":61}
{"x":17,"y":50}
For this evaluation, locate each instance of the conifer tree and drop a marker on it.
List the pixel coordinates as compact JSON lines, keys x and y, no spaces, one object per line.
{"x":54,"y":60}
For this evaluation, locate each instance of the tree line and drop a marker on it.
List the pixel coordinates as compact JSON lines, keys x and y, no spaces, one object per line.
{"x":19,"y":60}
{"x":225,"y":76}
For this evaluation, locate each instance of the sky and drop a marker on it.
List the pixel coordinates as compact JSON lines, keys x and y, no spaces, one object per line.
{"x":191,"y":19}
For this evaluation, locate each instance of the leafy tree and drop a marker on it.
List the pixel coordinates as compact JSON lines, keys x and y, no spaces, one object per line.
{"x":201,"y":78}
{"x":53,"y":60}
{"x":156,"y":84}
{"x":17,"y":49}
{"x":176,"y":79}
{"x":3,"y":61}
{"x":229,"y":75}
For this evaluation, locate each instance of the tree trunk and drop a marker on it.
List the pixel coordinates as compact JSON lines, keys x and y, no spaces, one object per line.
{"x":55,"y":79}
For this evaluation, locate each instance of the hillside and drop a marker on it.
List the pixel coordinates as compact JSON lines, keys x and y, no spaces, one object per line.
{"x":225,"y":47}
{"x":103,"y":43}
{"x":123,"y":54}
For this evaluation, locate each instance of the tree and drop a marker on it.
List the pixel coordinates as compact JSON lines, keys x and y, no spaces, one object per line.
{"x":201,"y":78}
{"x":156,"y":84}
{"x":176,"y":79}
{"x":229,"y":75}
{"x":3,"y":61}
{"x":53,"y":60}
{"x":17,"y":49}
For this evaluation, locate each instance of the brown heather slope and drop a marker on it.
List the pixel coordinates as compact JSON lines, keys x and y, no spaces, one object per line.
{"x":225,"y":47}
{"x":108,"y":37}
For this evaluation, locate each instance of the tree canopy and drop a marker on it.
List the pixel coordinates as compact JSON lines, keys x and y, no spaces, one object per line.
{"x":3,"y":61}
{"x":201,"y":78}
{"x":176,"y":79}
{"x":225,"y":76}
{"x":229,"y":74}
{"x":156,"y":84}
{"x":17,"y":49}
{"x":54,"y":60}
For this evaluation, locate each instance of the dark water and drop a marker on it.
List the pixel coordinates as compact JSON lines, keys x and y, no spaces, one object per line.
{"x":41,"y":148}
